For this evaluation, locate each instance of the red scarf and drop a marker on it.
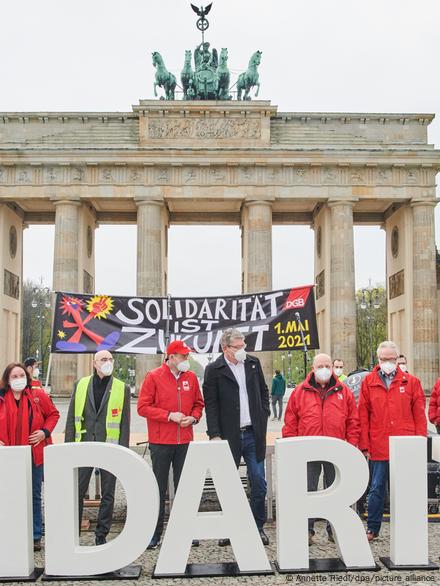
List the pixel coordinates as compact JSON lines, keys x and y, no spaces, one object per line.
{"x":17,"y":419}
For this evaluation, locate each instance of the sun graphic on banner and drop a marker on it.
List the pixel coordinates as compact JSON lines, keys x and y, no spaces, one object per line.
{"x":100,"y":306}
{"x":61,"y":334}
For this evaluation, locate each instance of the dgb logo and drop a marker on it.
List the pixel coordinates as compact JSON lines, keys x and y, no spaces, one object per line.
{"x":297,"y":298}
{"x":291,"y":303}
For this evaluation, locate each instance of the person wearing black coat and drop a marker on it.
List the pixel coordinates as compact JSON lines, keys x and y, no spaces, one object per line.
{"x":237,"y":409}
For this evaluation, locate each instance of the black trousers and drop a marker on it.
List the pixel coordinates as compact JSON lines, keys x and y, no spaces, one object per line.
{"x":162,"y":456}
{"x":313,"y":474}
{"x":105,"y":513}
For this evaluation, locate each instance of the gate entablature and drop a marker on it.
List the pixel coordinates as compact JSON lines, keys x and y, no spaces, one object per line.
{"x":230,"y":162}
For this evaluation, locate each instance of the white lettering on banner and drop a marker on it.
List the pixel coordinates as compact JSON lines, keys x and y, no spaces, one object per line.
{"x":64,"y":555}
{"x":235,"y":519}
{"x":295,"y":505}
{"x":152,"y":304}
{"x":272,"y":297}
{"x":408,"y":490}
{"x":190,"y":308}
{"x":257,"y":311}
{"x":16,"y":549}
{"x":220,"y":304}
{"x":146,"y":334}
{"x":194,"y":310}
{"x":132,"y":321}
{"x":201,"y":342}
{"x":260,"y":333}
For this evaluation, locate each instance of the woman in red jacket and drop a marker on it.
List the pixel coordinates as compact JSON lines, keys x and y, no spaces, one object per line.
{"x":27,"y":417}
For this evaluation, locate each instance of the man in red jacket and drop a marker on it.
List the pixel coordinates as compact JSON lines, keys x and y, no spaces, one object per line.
{"x":322,"y":405}
{"x":391,"y":403}
{"x":171,"y":400}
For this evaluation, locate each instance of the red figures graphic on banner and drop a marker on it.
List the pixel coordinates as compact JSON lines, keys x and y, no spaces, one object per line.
{"x":99,"y":306}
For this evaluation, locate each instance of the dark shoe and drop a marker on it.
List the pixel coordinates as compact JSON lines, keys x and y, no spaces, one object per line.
{"x":224,"y":542}
{"x":100,"y":540}
{"x":195,"y":543}
{"x":37,"y":544}
{"x":155,"y":541}
{"x":264,"y":537}
{"x":371,"y":535}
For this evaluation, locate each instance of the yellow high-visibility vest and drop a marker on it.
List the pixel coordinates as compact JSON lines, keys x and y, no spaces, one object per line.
{"x":114,"y":409}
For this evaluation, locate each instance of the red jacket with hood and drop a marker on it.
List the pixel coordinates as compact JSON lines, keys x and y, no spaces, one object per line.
{"x":43,"y":415}
{"x":399,"y":410}
{"x":434,"y":404}
{"x":333,"y":414}
{"x":161,"y":393}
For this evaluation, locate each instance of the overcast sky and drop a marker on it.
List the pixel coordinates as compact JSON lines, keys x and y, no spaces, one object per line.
{"x":318,"y":55}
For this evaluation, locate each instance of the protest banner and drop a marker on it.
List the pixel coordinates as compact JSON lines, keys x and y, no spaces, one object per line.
{"x":276,"y":320}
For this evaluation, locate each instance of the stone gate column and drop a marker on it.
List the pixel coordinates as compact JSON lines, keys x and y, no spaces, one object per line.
{"x":257,"y":258}
{"x":342,"y":283}
{"x":425,"y":319}
{"x":151,"y":264}
{"x":65,"y":278}
{"x":11,"y":283}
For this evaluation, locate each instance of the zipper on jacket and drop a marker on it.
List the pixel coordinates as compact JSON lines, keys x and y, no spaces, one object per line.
{"x":179,"y":403}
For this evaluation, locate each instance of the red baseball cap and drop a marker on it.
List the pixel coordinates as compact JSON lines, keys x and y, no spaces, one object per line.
{"x":178,"y":347}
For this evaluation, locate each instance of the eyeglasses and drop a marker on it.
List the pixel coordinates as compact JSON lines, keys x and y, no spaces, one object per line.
{"x":237,"y":347}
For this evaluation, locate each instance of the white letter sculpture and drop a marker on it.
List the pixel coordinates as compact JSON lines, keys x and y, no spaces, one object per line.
{"x":64,"y":555}
{"x":235,"y":520}
{"x":295,"y":505}
{"x":16,"y":545}
{"x":408,"y":495}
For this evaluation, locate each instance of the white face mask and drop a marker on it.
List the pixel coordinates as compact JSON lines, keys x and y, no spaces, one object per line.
{"x":403,"y":367}
{"x":388,"y":367}
{"x":183,"y":366}
{"x":106,"y":368}
{"x":323,"y":374}
{"x":338,"y":371}
{"x":240,"y":355}
{"x":36,"y":372}
{"x":18,"y":384}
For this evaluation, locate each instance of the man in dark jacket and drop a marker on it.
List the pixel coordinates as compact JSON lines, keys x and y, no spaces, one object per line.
{"x":237,"y":409}
{"x":99,"y":411}
{"x":278,"y":390}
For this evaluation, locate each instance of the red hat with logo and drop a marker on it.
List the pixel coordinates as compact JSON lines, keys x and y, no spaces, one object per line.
{"x":178,"y":347}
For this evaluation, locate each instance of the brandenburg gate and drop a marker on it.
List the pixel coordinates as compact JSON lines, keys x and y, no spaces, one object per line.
{"x":227,"y":162}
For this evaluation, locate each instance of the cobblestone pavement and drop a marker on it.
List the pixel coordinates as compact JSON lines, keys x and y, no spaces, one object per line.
{"x":209,"y":552}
